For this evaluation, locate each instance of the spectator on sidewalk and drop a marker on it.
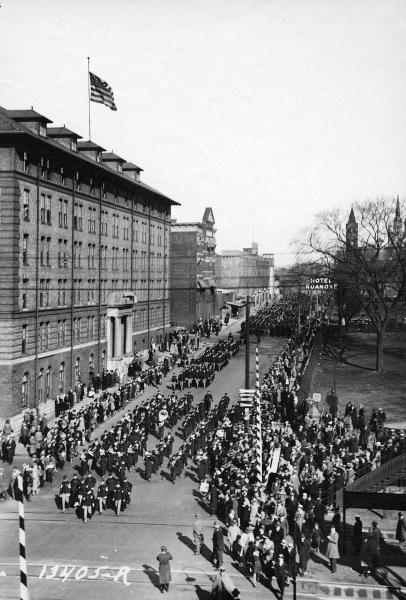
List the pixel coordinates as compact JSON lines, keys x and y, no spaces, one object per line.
{"x":165,"y":576}
{"x":401,"y":530}
{"x":332,"y":552}
{"x":198,"y":537}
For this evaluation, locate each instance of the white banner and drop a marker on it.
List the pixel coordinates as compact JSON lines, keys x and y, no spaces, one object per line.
{"x":275,"y":460}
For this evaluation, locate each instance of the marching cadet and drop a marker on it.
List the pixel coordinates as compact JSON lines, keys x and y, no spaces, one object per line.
{"x":171,"y":467}
{"x":103,"y":462}
{"x":81,"y":491}
{"x":127,"y":488}
{"x":74,"y":490}
{"x":111,"y":485}
{"x":83,"y":463}
{"x":64,"y":492}
{"x":118,"y":498}
{"x":102,"y":492}
{"x":87,"y":505}
{"x":148,"y":466}
{"x":121,"y":470}
{"x":89,"y":482}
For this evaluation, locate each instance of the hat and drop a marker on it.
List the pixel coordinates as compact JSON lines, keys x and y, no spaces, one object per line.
{"x":222,"y":568}
{"x":197,"y":515}
{"x":163,"y":548}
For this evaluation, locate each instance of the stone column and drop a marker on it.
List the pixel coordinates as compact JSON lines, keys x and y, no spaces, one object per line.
{"x":117,"y":349}
{"x":129,"y":336}
{"x":110,"y":349}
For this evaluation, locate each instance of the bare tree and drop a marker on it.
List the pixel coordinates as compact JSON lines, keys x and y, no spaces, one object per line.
{"x":367,"y":254}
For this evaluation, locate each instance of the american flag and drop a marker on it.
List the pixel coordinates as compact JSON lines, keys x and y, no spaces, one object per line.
{"x":101,"y":92}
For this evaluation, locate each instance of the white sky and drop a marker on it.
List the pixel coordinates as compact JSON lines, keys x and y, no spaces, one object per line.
{"x":278,"y":108}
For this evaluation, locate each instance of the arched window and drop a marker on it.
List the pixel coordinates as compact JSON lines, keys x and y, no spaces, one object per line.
{"x":41,"y":385}
{"x":25,"y":389}
{"x":61,"y":377}
{"x":77,"y":369}
{"x":48,"y":382}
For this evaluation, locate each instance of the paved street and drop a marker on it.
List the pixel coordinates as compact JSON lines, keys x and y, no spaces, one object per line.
{"x":160,"y":513}
{"x":112,"y":556}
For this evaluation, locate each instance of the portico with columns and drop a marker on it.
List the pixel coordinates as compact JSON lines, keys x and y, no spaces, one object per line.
{"x":119,"y":330}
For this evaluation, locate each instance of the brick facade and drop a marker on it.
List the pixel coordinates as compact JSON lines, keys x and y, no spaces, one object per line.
{"x":78,"y":229}
{"x":193,"y":284}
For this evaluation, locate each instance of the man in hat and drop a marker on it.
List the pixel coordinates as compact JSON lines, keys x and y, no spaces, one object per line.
{"x":165,"y":575}
{"x":218,"y":545}
{"x":281,"y":574}
{"x":198,"y":537}
{"x":401,"y":530}
{"x":357,"y":534}
{"x":373,"y":547}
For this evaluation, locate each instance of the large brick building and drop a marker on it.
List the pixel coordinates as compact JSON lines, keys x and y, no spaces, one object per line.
{"x":84,"y":260}
{"x":192,"y":265}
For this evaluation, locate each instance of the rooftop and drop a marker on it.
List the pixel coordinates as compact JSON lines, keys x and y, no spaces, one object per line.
{"x":88,"y":145}
{"x":61,"y":132}
{"x":110,"y":156}
{"x":129,"y":166}
{"x":10,"y":126}
{"x":27,"y":115}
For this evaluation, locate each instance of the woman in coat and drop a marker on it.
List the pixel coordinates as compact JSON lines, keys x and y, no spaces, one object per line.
{"x":332,"y":549}
{"x":165,"y":576}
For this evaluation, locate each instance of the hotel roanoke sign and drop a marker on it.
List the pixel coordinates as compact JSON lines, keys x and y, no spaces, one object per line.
{"x":320,"y":283}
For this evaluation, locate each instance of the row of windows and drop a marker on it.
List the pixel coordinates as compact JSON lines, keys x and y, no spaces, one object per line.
{"x":85,"y":291}
{"x":46,"y":219}
{"x":83,"y":329}
{"x":87,"y":185}
{"x":156,"y":261}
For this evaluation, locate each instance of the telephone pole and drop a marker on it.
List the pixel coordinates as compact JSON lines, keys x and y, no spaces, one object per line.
{"x":247,"y":344}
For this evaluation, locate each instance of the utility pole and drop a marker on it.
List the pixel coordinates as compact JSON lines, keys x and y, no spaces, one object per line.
{"x":299,"y":308}
{"x":247,"y":344}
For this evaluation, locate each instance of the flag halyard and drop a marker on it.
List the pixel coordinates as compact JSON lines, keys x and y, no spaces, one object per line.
{"x":101,"y":92}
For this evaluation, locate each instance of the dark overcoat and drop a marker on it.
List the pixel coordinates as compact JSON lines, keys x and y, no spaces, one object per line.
{"x":163,"y":559}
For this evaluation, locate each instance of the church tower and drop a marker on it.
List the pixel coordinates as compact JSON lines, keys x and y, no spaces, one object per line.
{"x":397,"y":222}
{"x":351,"y":231}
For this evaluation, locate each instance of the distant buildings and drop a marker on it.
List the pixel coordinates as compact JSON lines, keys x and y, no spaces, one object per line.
{"x":84,"y":253}
{"x":245,"y":272}
{"x":192,"y":271}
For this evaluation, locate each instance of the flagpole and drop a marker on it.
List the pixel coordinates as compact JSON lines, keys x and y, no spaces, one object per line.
{"x":88,"y":88}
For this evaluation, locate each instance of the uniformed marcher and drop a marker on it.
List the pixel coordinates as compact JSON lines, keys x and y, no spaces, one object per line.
{"x":64,"y":492}
{"x":118,"y":498}
{"x":87,"y":504}
{"x":102,"y":492}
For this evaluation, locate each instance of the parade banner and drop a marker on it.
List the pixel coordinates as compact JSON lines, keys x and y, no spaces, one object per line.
{"x":275,"y":460}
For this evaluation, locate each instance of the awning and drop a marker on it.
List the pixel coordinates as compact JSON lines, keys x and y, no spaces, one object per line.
{"x":238,"y":303}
